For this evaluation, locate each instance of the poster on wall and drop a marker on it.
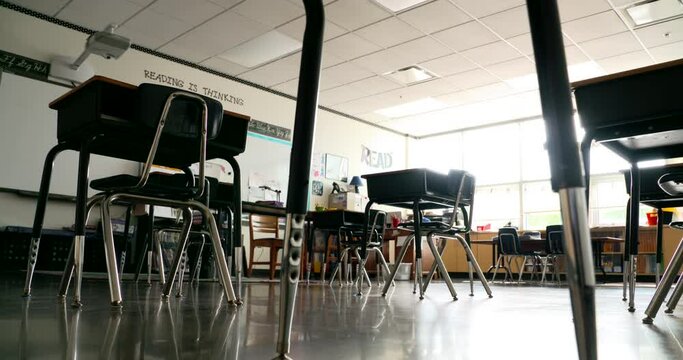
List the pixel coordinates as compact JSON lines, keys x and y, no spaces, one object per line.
{"x":336,"y":167}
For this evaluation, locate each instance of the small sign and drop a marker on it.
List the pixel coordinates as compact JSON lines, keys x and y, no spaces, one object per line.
{"x":20,"y":65}
{"x":274,"y":131}
{"x":376,"y":159}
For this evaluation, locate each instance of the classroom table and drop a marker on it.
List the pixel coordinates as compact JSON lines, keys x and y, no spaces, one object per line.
{"x":98,"y":117}
{"x":637,"y":114}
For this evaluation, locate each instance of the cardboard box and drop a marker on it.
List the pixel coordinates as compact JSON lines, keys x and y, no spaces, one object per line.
{"x":346,"y":201}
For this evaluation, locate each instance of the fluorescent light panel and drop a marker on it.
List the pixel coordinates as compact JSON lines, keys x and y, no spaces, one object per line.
{"x":655,"y":11}
{"x":399,"y":5}
{"x":261,"y":49}
{"x":412,"y":108}
{"x":410,"y":75}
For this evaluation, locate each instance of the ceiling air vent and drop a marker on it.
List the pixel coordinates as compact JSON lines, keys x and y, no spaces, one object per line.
{"x":410,"y":75}
{"x":652,"y":12}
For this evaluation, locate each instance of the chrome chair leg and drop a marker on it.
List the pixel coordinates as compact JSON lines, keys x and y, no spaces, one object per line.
{"x":432,"y":271}
{"x":496,"y":267}
{"x":471,"y":274}
{"x":521,"y":268}
{"x":338,"y":268}
{"x":475,"y":265}
{"x":441,"y":266}
{"x":182,"y":244}
{"x":160,"y":260}
{"x":222,"y":265}
{"x":418,"y":276}
{"x":110,"y":253}
{"x":544,"y":264}
{"x":361,"y":269}
{"x":79,"y":252}
{"x":181,"y":273}
{"x":665,"y":285}
{"x":673,"y":300}
{"x":150,"y":260}
{"x":625,"y":268}
{"x":386,"y":271}
{"x":398,"y":260}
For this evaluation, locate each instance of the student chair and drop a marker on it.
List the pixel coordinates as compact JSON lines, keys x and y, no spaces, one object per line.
{"x":265,"y":224}
{"x":554,"y":248}
{"x":671,"y":184}
{"x":350,"y":241}
{"x":183,"y":121}
{"x":510,"y":247}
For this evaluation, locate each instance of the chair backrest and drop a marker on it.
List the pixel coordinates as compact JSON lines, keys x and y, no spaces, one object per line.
{"x":508,"y":241}
{"x":554,"y":236}
{"x":184,"y":118}
{"x":263,"y":224}
{"x":463,"y":184}
{"x":378,"y":224}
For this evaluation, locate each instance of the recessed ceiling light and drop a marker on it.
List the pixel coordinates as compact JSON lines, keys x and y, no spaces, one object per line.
{"x":399,"y":5}
{"x":410,"y":75}
{"x":655,"y":11}
{"x":412,"y":108}
{"x":261,"y":49}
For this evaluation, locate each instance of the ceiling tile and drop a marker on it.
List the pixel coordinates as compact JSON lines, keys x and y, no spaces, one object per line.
{"x":190,"y":12}
{"x":330,"y":59}
{"x":359,"y":106}
{"x":660,"y":34}
{"x":523,"y":43}
{"x":625,"y":62}
{"x":574,"y":55}
{"x":290,"y":87}
{"x":434,"y":16}
{"x":466,"y":36}
{"x":353,"y":14}
{"x":618,"y":3}
{"x":224,"y":66}
{"x":389,"y":32}
{"x":373,"y":85}
{"x":151,"y":29}
{"x":513,"y":68}
{"x":471,"y":79}
{"x":481,"y":8}
{"x":41,"y":6}
{"x":421,"y":49}
{"x":226,"y":4}
{"x":97,"y":14}
{"x":492,"y":53}
{"x":668,"y":52}
{"x":295,"y":29}
{"x":456,"y":98}
{"x":269,"y":12}
{"x":342,"y":74}
{"x":383,"y":61}
{"x":210,"y":38}
{"x":490,"y":91}
{"x":447,"y":65}
{"x":574,"y":9}
{"x":276,"y":72}
{"x":595,"y":26}
{"x":610,"y":46}
{"x":338,"y":95}
{"x":509,"y":23}
{"x":350,"y":46}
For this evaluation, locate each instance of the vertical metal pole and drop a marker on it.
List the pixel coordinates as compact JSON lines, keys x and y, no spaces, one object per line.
{"x":625,"y":265}
{"x":633,"y":229}
{"x":300,"y":167}
{"x":39,"y":217}
{"x":565,"y":165}
{"x":659,"y":256}
{"x":237,"y":223}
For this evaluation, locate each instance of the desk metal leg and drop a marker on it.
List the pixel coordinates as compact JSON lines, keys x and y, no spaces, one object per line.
{"x":40,"y":213}
{"x":237,"y":230}
{"x":310,"y":239}
{"x":633,"y":228}
{"x":659,"y":256}
{"x":675,"y":297}
{"x":417,"y":220}
{"x":442,"y":269}
{"x":399,"y":259}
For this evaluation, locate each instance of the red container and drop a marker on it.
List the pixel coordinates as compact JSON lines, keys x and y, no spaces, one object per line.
{"x":652,"y":218}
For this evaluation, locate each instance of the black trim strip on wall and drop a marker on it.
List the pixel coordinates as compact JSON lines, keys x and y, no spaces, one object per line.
{"x":174,"y":59}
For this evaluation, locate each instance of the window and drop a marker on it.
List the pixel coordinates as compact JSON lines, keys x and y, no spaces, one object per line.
{"x":492,"y":154}
{"x":440,"y":153}
{"x":496,"y":206}
{"x":541,"y":205}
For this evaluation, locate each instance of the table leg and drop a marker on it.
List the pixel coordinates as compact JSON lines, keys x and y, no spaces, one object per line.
{"x":633,"y":227}
{"x":417,"y":220}
{"x":237,"y":231}
{"x":659,"y":256}
{"x":39,"y":216}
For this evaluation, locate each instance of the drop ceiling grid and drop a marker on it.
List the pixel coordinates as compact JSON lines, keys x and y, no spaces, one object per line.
{"x":595,"y":30}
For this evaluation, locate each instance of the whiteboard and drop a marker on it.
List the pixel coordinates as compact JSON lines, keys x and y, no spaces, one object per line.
{"x":267,"y":159}
{"x":28,"y":130}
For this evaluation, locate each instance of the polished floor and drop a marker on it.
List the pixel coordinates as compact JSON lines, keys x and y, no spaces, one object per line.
{"x":519,"y":322}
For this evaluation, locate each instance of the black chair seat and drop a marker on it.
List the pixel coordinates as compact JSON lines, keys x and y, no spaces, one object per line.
{"x":168,"y":186}
{"x":672,"y":184}
{"x":434,"y":226}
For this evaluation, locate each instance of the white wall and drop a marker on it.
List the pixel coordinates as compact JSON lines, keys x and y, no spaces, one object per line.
{"x":37,"y":39}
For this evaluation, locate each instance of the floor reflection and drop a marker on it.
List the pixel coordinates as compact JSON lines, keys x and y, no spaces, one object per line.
{"x":331,"y":322}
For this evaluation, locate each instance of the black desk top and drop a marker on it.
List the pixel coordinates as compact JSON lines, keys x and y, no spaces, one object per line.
{"x":650,"y":192}
{"x":104,"y":107}
{"x":637,"y":114}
